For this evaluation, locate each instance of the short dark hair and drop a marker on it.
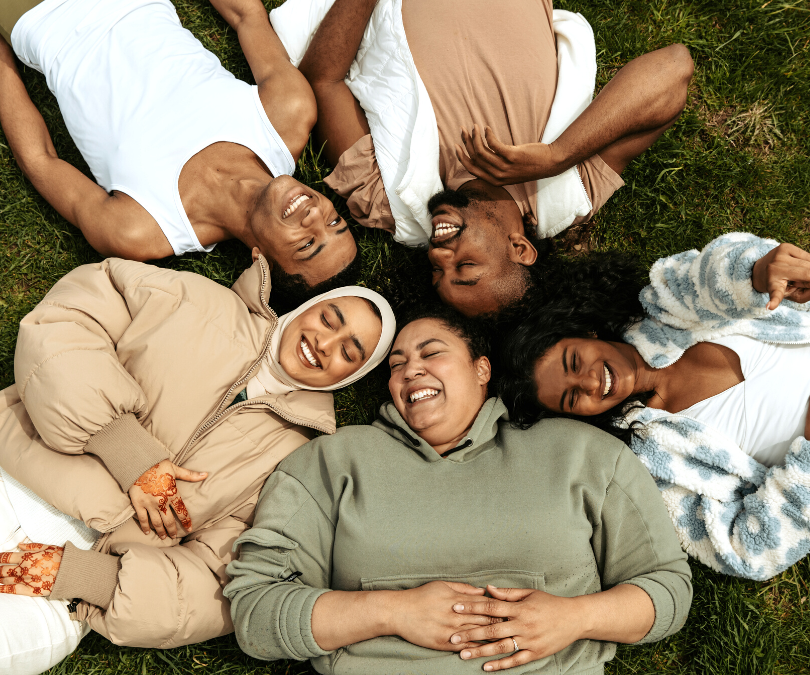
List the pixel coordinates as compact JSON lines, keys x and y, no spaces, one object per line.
{"x":467,"y":329}
{"x":596,"y":294}
{"x":289,"y":291}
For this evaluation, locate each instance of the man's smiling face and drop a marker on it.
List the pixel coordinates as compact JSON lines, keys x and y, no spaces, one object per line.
{"x":478,"y":250}
{"x":298,"y":229}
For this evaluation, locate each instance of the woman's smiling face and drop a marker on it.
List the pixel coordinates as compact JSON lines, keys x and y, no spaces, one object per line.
{"x":330,"y":341}
{"x":435,"y":384}
{"x":584,"y":376}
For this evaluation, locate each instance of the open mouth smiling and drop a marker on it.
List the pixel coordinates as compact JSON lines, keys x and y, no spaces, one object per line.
{"x":309,"y":359}
{"x":295,"y":202}
{"x":422,"y":395}
{"x":609,"y":377}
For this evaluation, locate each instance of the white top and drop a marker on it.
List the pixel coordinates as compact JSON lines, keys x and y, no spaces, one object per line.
{"x":140,"y":96}
{"x":384,"y":79}
{"x":768,"y":410}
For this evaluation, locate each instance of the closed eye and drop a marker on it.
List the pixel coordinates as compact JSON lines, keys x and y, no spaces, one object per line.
{"x":346,"y":355}
{"x":307,"y":245}
{"x":396,"y":365}
{"x":325,"y":321}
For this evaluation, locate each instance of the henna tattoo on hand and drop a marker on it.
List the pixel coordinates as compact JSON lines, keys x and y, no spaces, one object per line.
{"x":163,"y":487}
{"x":35,"y":570}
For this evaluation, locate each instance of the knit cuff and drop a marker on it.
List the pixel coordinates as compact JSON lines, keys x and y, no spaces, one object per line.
{"x":88,"y":575}
{"x":127,"y":449}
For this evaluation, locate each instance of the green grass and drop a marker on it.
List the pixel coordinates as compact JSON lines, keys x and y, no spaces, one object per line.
{"x":737,"y":159}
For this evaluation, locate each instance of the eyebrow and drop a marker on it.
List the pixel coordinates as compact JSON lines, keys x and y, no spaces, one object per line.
{"x":359,"y":346}
{"x":421,"y":345}
{"x":565,"y":368}
{"x":322,"y":246}
{"x":466,"y":282}
{"x":565,"y":365}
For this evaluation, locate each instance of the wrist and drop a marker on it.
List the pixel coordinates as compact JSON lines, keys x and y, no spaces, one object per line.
{"x":583,"y":618}
{"x":384,"y":611}
{"x":759,"y":275}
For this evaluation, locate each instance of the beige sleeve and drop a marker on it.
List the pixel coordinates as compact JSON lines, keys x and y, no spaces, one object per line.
{"x":170,"y":596}
{"x":78,"y":395}
{"x":600,"y":183}
{"x":357,"y":179}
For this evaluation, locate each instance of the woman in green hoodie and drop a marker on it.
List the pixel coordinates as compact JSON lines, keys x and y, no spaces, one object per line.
{"x":440,"y":537}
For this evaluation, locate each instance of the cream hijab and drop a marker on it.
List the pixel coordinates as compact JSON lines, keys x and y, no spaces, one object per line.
{"x":273,"y":379}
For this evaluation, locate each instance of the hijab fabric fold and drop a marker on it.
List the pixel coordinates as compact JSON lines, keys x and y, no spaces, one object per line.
{"x":273,"y":379}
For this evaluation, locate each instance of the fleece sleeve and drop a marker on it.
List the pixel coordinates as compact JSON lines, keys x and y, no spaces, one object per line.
{"x":79,"y":396}
{"x":635,"y":543}
{"x":272,"y":615}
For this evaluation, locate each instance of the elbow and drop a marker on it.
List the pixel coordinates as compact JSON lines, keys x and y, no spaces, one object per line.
{"x":681,"y":69}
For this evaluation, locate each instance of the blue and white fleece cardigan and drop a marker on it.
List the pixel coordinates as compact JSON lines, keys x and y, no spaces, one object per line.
{"x":731,"y":513}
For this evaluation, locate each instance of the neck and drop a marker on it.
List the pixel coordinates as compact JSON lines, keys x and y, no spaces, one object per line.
{"x":219,"y":188}
{"x":647,"y":378}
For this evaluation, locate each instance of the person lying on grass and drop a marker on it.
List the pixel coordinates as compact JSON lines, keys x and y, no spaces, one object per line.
{"x":705,"y":374}
{"x":183,"y":154}
{"x":405,"y":545}
{"x":487,"y":105}
{"x":149,"y":408}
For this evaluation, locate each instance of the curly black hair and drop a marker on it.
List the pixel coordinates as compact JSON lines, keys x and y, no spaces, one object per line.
{"x":595,"y":294}
{"x":289,"y":291}
{"x":469,"y":330}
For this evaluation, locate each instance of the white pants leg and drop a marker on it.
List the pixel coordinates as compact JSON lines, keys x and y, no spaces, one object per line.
{"x":35,"y":633}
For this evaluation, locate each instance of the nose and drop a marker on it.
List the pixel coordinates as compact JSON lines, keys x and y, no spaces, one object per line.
{"x":314,"y":218}
{"x":440,"y":255}
{"x":590,"y":383}
{"x":325,"y":342}
{"x":413,"y":369}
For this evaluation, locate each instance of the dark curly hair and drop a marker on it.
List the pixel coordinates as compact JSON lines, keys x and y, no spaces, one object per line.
{"x":289,"y":291}
{"x":595,"y":294}
{"x":469,"y":330}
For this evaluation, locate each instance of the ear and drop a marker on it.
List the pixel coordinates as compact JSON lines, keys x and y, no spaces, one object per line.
{"x":521,"y":250}
{"x":483,"y":369}
{"x":255,"y":253}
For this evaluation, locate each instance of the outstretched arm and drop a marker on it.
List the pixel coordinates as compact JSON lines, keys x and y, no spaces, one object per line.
{"x":114,"y":225}
{"x":285,"y":94}
{"x":341,"y":120}
{"x":630,"y":113}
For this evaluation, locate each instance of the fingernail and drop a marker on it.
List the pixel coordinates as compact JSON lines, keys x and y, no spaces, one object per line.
{"x":455,"y":639}
{"x":458,"y":608}
{"x":488,"y":667}
{"x":162,"y":536}
{"x":465,"y":654}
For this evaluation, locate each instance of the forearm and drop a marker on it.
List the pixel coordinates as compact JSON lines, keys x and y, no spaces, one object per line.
{"x":647,"y":94}
{"x":336,"y":41}
{"x":624,"y":613}
{"x":341,"y":618}
{"x":22,"y":123}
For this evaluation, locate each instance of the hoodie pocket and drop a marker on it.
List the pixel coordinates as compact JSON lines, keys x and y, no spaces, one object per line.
{"x":504,"y":578}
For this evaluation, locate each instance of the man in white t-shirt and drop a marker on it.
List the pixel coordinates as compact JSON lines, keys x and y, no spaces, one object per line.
{"x":184,"y":154}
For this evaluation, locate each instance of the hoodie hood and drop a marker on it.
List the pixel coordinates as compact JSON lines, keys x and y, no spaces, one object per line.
{"x":483,"y":430}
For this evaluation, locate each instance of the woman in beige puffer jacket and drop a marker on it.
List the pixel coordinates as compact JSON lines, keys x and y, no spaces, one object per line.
{"x":123,"y":365}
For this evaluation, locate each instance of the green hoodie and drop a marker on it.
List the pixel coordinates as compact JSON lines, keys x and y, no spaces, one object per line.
{"x":561,"y":507}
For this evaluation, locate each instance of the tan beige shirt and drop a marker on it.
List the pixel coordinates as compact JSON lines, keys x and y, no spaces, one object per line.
{"x":490,"y":62}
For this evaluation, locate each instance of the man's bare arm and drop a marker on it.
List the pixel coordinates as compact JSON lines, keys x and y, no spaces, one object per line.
{"x":341,"y":120}
{"x":285,"y":93}
{"x":113,"y":224}
{"x":630,"y":113}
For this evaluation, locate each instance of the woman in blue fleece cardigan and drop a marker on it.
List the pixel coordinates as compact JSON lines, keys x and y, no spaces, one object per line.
{"x":707,"y":379}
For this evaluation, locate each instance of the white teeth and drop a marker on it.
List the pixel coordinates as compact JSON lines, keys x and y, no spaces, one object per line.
{"x":423,"y":393}
{"x":607,"y":381}
{"x":308,"y":354}
{"x":300,"y":199}
{"x":443,"y":229}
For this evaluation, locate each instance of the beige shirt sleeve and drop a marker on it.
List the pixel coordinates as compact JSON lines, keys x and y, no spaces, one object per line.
{"x":357,"y":179}
{"x":600,"y":183}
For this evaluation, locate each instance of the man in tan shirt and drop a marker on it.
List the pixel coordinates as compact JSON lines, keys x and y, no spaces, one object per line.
{"x":490,"y":70}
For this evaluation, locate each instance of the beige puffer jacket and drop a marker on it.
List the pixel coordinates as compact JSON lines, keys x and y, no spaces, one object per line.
{"x":124,"y":364}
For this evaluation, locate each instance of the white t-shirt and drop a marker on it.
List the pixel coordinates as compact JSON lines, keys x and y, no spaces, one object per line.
{"x":140,"y":96}
{"x":766,"y":411}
